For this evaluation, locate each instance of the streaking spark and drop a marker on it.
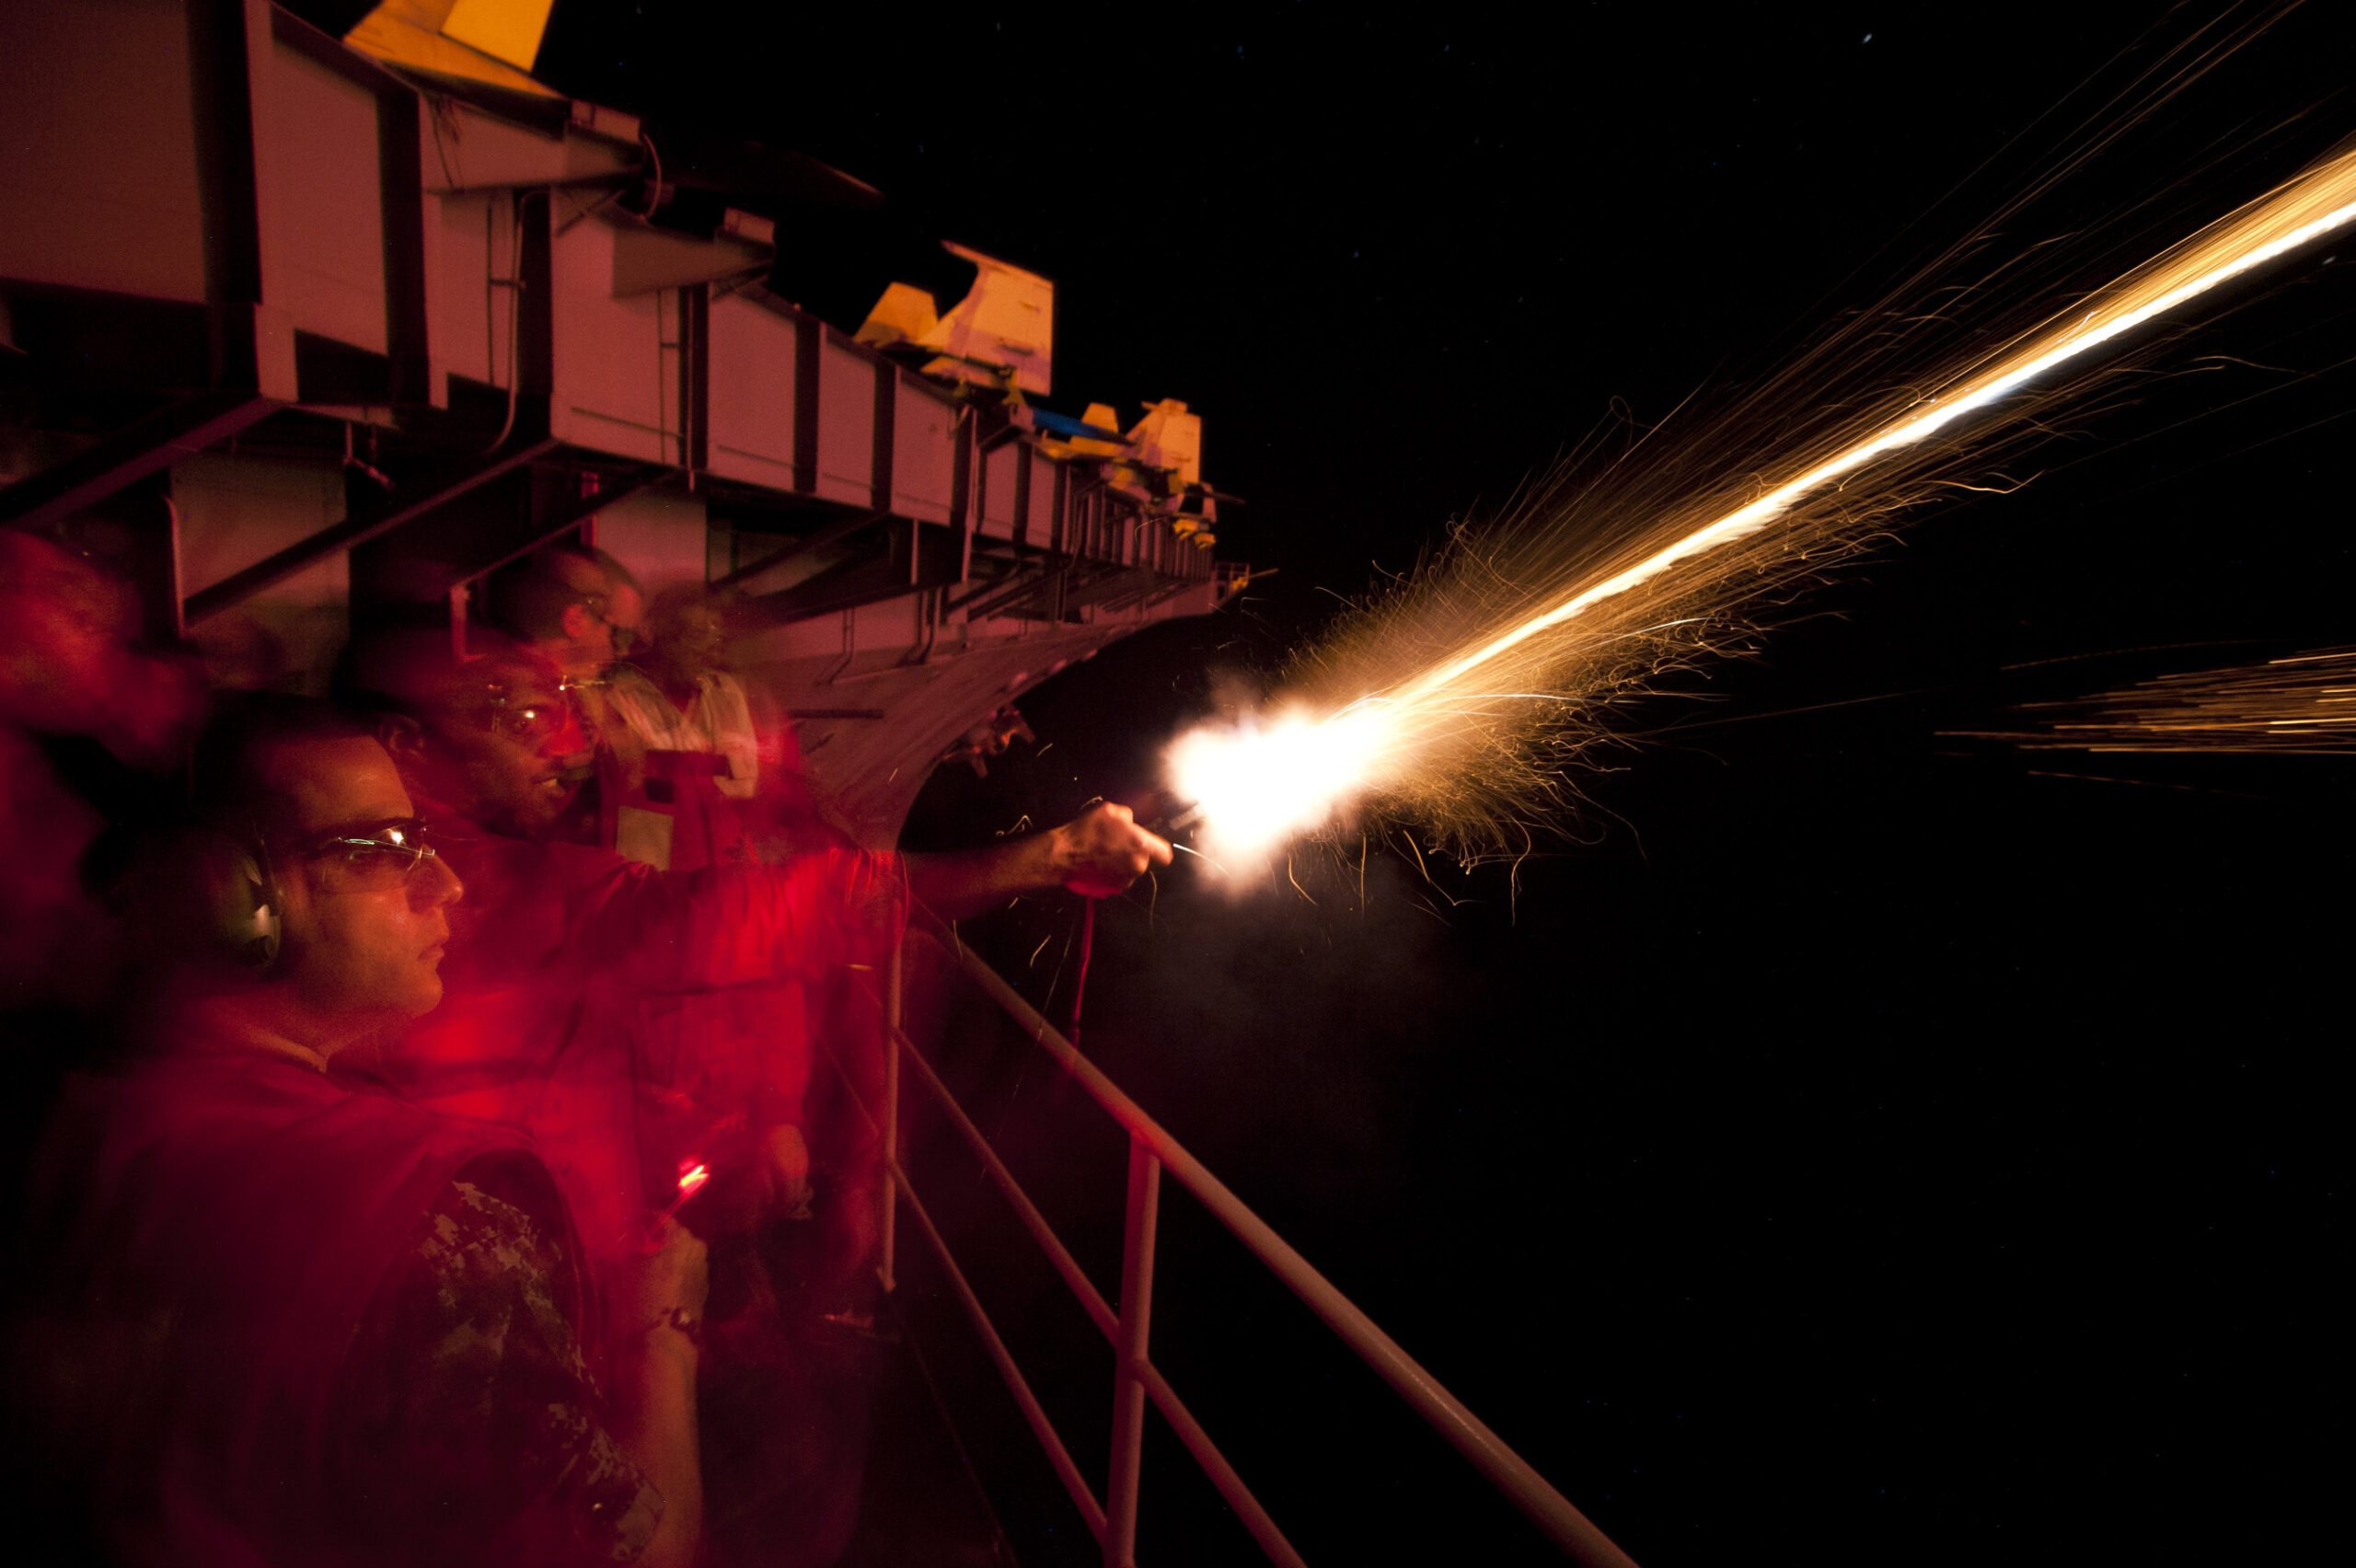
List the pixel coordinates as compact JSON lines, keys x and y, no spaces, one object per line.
{"x":2303,"y":705}
{"x":1421,"y":736}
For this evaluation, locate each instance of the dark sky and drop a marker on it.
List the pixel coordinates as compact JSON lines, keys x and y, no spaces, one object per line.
{"x":1847,"y":1143}
{"x":1397,"y":261}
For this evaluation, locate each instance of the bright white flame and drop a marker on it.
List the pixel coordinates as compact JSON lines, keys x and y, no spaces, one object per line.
{"x":1262,"y":783}
{"x":1257,"y":787}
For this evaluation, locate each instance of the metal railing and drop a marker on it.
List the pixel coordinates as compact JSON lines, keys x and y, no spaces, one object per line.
{"x":1152,"y":1150}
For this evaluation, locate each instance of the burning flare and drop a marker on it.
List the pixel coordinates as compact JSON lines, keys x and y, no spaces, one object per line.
{"x":1452,"y":691}
{"x":693,"y":1174}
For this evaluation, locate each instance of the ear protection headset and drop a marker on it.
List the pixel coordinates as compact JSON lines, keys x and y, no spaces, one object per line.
{"x":238,"y":897}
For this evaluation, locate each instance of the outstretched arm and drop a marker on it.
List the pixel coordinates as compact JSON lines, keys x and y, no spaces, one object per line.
{"x":659,"y":1305}
{"x":1097,"y":854}
{"x":725,"y":925}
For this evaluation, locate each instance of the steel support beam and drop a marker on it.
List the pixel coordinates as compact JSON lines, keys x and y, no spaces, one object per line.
{"x":149,"y":445}
{"x":546,"y":530}
{"x":356,"y":529}
{"x":1024,"y":578}
{"x":833,"y":533}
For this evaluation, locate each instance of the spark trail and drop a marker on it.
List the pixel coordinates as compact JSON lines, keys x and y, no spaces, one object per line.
{"x":1495,"y":662}
{"x":2304,"y":705}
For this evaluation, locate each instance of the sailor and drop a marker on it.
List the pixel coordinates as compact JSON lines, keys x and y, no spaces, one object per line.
{"x":645,"y":1026}
{"x":289,"y":1322}
{"x":563,"y":946}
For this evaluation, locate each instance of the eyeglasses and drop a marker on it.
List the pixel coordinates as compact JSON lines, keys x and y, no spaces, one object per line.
{"x":544,"y":724}
{"x":375,"y":862}
{"x":534,"y":724}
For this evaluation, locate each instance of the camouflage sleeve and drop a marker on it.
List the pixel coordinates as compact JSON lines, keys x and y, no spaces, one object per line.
{"x":472,"y":1429}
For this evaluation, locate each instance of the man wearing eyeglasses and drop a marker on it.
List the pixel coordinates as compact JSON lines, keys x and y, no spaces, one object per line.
{"x":573,"y":967}
{"x":293,"y":1323}
{"x":569,"y":611}
{"x":566,"y":950}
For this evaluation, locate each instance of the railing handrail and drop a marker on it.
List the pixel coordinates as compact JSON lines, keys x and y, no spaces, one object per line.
{"x":1514,"y":1476}
{"x":1256,"y":1519}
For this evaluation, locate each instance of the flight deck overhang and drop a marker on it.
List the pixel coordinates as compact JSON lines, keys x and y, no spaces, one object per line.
{"x":316,"y":342}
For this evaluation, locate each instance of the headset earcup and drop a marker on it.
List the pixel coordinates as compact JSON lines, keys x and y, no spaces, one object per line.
{"x":238,"y":905}
{"x":251,"y":919}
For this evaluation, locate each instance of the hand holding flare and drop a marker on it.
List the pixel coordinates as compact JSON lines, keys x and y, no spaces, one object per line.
{"x":693,"y":1174}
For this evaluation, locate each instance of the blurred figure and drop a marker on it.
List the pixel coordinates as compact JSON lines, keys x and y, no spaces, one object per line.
{"x":484,"y":750}
{"x":560,"y":606}
{"x":679,"y":696}
{"x":565,"y":948}
{"x":504,"y":749}
{"x":60,"y":657}
{"x":86,"y":720}
{"x":89,"y":727}
{"x":639,"y":1022}
{"x":693,"y":727}
{"x":557,"y":603}
{"x":69,"y":658}
{"x":628,"y":1019}
{"x":626,"y":603}
{"x":990,"y":738}
{"x":287,"y":1322}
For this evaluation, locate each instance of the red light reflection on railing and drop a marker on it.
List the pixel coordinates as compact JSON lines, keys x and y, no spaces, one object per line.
{"x":1114,"y":1521}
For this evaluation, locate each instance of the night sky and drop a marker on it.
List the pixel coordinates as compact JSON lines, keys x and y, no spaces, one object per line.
{"x":1845,"y":1142}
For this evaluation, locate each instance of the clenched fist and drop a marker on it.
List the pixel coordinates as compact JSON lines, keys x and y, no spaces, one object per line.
{"x":1102,"y":851}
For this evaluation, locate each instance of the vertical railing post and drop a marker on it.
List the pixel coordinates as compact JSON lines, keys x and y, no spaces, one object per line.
{"x":1128,"y":1390}
{"x":887,"y":1195}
